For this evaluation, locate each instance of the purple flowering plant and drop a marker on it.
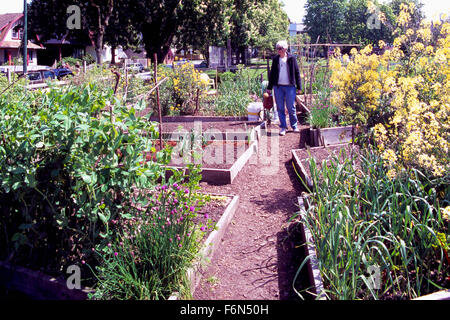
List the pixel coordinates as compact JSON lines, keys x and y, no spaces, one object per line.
{"x":154,"y":248}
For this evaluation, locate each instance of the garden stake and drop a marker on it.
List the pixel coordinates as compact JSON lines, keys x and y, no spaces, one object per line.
{"x":20,"y":76}
{"x":117,"y":74}
{"x":196,"y":102}
{"x":126,"y":83}
{"x":157,"y":101}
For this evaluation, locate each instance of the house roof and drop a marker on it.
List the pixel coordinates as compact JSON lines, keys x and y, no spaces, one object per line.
{"x":6,"y":21}
{"x":9,"y":18}
{"x":17,"y":43}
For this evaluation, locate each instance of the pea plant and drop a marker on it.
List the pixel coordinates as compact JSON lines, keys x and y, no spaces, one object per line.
{"x":67,"y":169}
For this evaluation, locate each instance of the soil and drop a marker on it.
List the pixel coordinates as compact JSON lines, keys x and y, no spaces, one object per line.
{"x":215,"y":154}
{"x":261,"y":250}
{"x":214,"y":208}
{"x":213,"y":127}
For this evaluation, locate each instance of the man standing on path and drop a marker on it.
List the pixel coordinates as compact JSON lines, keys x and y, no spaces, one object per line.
{"x":284,"y":78}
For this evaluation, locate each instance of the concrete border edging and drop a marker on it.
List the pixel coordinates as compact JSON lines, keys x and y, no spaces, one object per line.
{"x":206,"y":253}
{"x":440,"y":295}
{"x":41,"y":286}
{"x":312,"y":264}
{"x":198,"y":118}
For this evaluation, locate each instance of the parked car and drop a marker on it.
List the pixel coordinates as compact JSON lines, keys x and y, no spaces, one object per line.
{"x":202,"y":65}
{"x":40,"y":76}
{"x":62,"y":72}
{"x":179,"y":62}
{"x":136,"y":67}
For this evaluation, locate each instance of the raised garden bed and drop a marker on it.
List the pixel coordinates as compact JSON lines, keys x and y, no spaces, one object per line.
{"x":206,"y":253}
{"x":221,"y":154}
{"x":18,"y":281}
{"x":300,"y":158}
{"x":330,"y":136}
{"x":312,"y":264}
{"x":301,"y":161}
{"x":211,"y":129}
{"x":37,"y":285}
{"x":222,"y":147}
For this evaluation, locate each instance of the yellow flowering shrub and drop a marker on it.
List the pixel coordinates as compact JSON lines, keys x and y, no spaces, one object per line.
{"x":183,"y":91}
{"x":188,"y":88}
{"x":403,"y":95}
{"x":362,"y":86}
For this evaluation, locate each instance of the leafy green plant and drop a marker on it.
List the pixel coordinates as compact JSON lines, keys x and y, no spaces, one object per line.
{"x":67,"y":168}
{"x":227,"y":76}
{"x":71,"y":61}
{"x":321,"y":116}
{"x":88,"y":58}
{"x":231,"y":100}
{"x":150,"y":256}
{"x":323,"y":113}
{"x":234,"y":94}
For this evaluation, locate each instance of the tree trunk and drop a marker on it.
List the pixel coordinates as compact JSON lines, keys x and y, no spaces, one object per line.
{"x":113,"y":55}
{"x":99,"y":48}
{"x":157,"y":43}
{"x":205,"y":52}
{"x":159,"y":27}
{"x":101,"y":27}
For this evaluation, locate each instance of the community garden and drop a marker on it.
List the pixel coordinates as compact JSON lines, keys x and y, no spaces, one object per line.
{"x":87,"y":179}
{"x":103,"y":173}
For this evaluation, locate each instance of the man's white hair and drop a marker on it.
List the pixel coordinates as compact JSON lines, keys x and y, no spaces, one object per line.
{"x":282,"y":44}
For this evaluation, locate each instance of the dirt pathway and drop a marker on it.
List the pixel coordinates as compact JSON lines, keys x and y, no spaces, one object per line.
{"x":256,"y":259}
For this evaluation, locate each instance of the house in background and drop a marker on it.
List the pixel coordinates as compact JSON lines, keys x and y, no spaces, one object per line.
{"x":56,"y":49}
{"x":296,"y":28}
{"x":107,"y":53}
{"x":11,"y":35}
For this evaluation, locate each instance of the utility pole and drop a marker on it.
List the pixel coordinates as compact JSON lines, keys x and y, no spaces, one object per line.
{"x":25,"y":40}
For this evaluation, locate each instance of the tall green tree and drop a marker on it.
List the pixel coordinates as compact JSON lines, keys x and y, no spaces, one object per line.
{"x":257,"y":23}
{"x":271,"y":24}
{"x":241,"y":27}
{"x":418,"y":14}
{"x":351,"y":21}
{"x":48,"y":19}
{"x":244,"y":22}
{"x":158,"y":22}
{"x":97,"y":15}
{"x":122,"y":30}
{"x":363,"y":26}
{"x":325,"y":19}
{"x":204,"y":23}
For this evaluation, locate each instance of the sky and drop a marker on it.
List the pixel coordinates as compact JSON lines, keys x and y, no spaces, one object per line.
{"x":294,"y":8}
{"x":432,"y":8}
